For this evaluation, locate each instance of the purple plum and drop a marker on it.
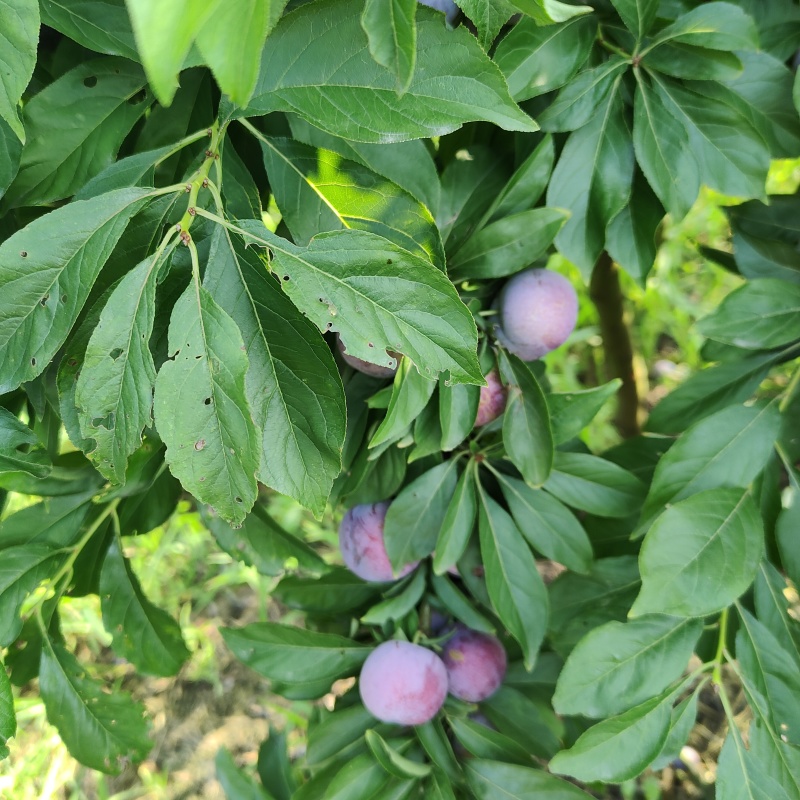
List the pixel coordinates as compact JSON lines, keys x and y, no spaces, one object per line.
{"x":362,"y":545}
{"x":538,"y":311}
{"x":492,"y":400}
{"x":403,"y":683}
{"x":476,"y":664}
{"x":373,"y":370}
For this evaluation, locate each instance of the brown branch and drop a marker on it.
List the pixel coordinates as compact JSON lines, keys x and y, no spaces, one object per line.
{"x":606,"y":294}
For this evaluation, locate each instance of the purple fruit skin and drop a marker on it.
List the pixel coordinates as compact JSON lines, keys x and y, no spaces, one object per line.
{"x":362,"y":546}
{"x":373,"y":370}
{"x":492,"y":400}
{"x":403,"y":683}
{"x":476,"y":665}
{"x":538,"y":311}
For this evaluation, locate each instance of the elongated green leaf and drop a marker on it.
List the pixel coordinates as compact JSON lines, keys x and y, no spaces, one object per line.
{"x":592,"y":180}
{"x":75,"y":127}
{"x":10,"y":152}
{"x":399,"y":605}
{"x":571,"y":412}
{"x":772,"y":609}
{"x":292,"y":384}
{"x":729,"y":448}
{"x":235,"y":783}
{"x":700,"y":554}
{"x":434,"y":740}
{"x":515,"y":588}
{"x":458,"y":410}
{"x":392,"y":33}
{"x":620,"y":665}
{"x":485,"y":742}
{"x":787,"y":534}
{"x":231,"y":41}
{"x":684,"y":717}
{"x":410,"y":395}
{"x":317,"y":191}
{"x":336,"y":731}
{"x":102,"y":731}
{"x":546,"y":12}
{"x":20,"y":448}
{"x":336,"y":592}
{"x":415,"y":517}
{"x":201,"y":410}
{"x":521,"y":718}
{"x":460,"y":606}
{"x":527,"y":436}
{"x":164,"y":33}
{"x":537,"y":59}
{"x":99,"y":25}
{"x":368,"y":289}
{"x":394,"y":762}
{"x":355,"y":97}
{"x":688,"y":62}
{"x":18,"y":56}
{"x":488,"y":16}
{"x":507,"y":245}
{"x":361,"y":778}
{"x":595,"y":485}
{"x":55,"y":522}
{"x":620,"y":747}
{"x":741,"y":776}
{"x":46,"y":272}
{"x":638,"y":15}
{"x":723,"y":26}
{"x":142,"y":633}
{"x":458,"y":523}
{"x":114,"y":394}
{"x":760,"y":315}
{"x":8,"y":720}
{"x":274,"y":768}
{"x":548,"y":525}
{"x":292,"y":655}
{"x":496,"y":780}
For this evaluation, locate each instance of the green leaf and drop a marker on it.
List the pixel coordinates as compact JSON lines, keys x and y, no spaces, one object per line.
{"x":10,"y":152}
{"x":515,"y":588}
{"x":337,"y":730}
{"x":22,"y":569}
{"x":689,"y":62}
{"x":700,"y":554}
{"x":292,"y":383}
{"x":496,"y":780}
{"x":434,"y":740}
{"x":772,"y":609}
{"x":458,"y":523}
{"x":99,"y":25}
{"x":102,"y":731}
{"x":8,"y":720}
{"x":519,"y":717}
{"x":571,"y":412}
{"x":369,"y":288}
{"x":485,"y":742}
{"x":201,"y":410}
{"x":773,"y":672}
{"x":684,"y":717}
{"x":440,"y":786}
{"x":393,"y":761}
{"x":619,"y":665}
{"x":546,"y":12}
{"x":142,"y":633}
{"x":720,"y":26}
{"x":537,"y":59}
{"x":360,"y":779}
{"x":261,"y":543}
{"x":618,"y":748}
{"x":638,"y":15}
{"x":729,"y":448}
{"x":235,"y":783}
{"x":164,"y":33}
{"x":741,"y":776}
{"x":595,"y":485}
{"x":114,"y":394}
{"x":46,"y":272}
{"x":336,"y":592}
{"x":20,"y":448}
{"x":274,"y":767}
{"x":592,"y":180}
{"x":231,"y":41}
{"x":549,"y":526}
{"x":458,"y":409}
{"x":787,"y":534}
{"x":323,"y":71}
{"x":527,"y":436}
{"x":760,"y":315}
{"x":507,"y":245}
{"x":488,"y":16}
{"x":461,"y":607}
{"x":18,"y":56}
{"x":293,"y":655}
{"x":416,"y":515}
{"x":75,"y":128}
{"x":398,"y":606}
{"x":55,"y":522}
{"x":392,"y":33}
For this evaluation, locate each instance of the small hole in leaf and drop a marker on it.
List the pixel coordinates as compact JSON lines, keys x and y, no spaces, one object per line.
{"x":369,"y":344}
{"x":90,"y":82}
{"x":73,"y":362}
{"x":33,"y":362}
{"x":116,"y":353}
{"x":24,"y":253}
{"x":137,"y":98}
{"x":199,"y":444}
{"x":322,"y":299}
{"x":238,"y":499}
{"x":207,"y":401}
{"x":44,"y":300}
{"x":388,"y":260}
{"x":63,"y":298}
{"x":286,"y":277}
{"x":196,"y":357}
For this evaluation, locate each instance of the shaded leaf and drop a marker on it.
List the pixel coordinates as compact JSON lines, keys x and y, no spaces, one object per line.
{"x":392,"y":33}
{"x":18,"y":56}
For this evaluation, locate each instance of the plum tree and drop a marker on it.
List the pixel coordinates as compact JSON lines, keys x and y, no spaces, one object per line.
{"x":373,"y":370}
{"x":362,"y":546}
{"x":403,"y":683}
{"x":475,"y":663}
{"x":492,"y":401}
{"x":538,"y":309}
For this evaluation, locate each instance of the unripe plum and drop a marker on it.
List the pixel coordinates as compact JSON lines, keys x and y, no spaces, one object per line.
{"x":373,"y":370}
{"x":492,"y":401}
{"x":475,"y":663}
{"x":403,"y":683}
{"x":538,"y":311}
{"x":362,"y":545}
